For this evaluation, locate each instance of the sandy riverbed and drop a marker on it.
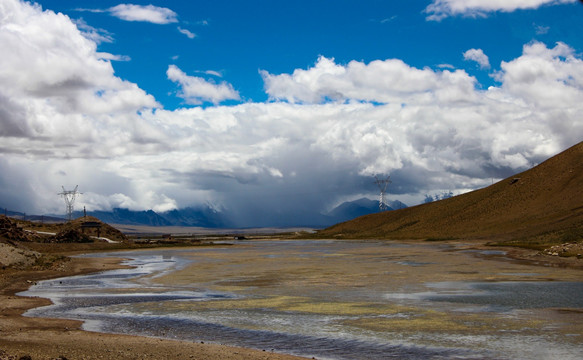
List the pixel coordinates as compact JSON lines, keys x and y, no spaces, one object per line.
{"x":54,"y":338}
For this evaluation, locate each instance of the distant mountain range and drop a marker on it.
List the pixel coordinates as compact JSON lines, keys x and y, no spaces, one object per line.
{"x":30,"y":217}
{"x":541,"y":205}
{"x":206,"y":216}
{"x":200,"y":217}
{"x":353,"y":209}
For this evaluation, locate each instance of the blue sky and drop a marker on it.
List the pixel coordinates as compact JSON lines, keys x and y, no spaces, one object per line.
{"x":236,"y":39}
{"x":255,"y":104}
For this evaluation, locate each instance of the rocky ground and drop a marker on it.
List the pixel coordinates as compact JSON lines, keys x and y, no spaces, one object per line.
{"x":16,"y":257}
{"x":566,"y":249}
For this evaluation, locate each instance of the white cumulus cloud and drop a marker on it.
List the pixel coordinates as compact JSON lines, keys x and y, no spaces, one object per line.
{"x":440,"y":9}
{"x":53,"y":82}
{"x":383,"y":81}
{"x":196,"y":90}
{"x":478,"y":56}
{"x":545,"y":78}
{"x":147,"y":13}
{"x":66,"y":119}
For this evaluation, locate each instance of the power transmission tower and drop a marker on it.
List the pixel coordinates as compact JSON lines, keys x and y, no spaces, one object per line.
{"x":383,"y":184}
{"x":69,"y":196}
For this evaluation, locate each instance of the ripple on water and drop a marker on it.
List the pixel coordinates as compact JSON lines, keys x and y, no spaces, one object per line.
{"x":128,"y":301}
{"x":511,"y":295}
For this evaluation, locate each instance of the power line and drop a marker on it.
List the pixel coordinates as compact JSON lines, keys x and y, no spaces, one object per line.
{"x":69,"y":196}
{"x":383,"y":185}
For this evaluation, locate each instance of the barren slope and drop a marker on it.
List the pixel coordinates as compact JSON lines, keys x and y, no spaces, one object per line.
{"x":543,"y":204}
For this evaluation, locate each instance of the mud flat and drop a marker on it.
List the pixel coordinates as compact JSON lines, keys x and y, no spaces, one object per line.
{"x":41,"y":338}
{"x":326,"y":299}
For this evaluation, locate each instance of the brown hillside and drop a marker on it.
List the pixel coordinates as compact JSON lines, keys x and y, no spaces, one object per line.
{"x":106,"y":230}
{"x":541,"y":205}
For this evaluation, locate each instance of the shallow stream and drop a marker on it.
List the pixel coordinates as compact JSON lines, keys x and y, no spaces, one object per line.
{"x":334,"y":300}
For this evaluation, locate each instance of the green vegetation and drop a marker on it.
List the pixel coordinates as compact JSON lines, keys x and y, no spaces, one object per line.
{"x":50,"y":261}
{"x":545,"y":240}
{"x":441,"y":239}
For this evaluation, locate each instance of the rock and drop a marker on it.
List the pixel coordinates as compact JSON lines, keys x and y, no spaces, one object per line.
{"x":15,"y":257}
{"x":71,"y":236}
{"x":11,"y":232}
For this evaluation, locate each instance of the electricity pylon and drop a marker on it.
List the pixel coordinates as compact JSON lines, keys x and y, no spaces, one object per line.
{"x":69,"y":196}
{"x":383,"y":184}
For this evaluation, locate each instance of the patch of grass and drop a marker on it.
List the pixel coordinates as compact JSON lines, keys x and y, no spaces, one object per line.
{"x":406,"y":225}
{"x":50,"y":261}
{"x":295,"y":304}
{"x":572,"y":235}
{"x":441,"y":238}
{"x":545,"y":240}
{"x":441,"y":322}
{"x":522,"y":243}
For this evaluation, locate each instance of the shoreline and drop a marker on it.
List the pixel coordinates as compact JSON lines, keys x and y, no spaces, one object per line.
{"x":42,"y":338}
